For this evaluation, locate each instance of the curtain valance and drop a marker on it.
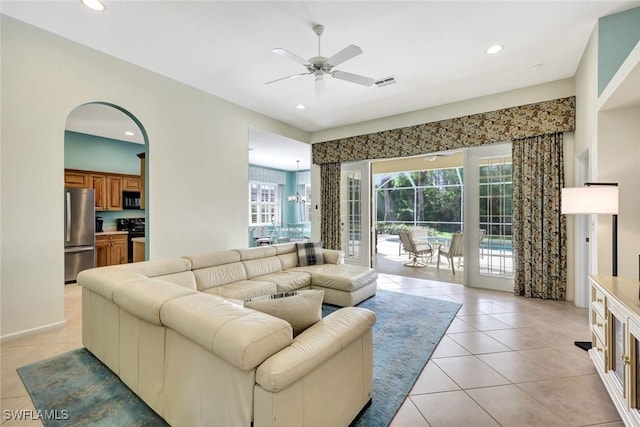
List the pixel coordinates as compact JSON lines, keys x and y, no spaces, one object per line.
{"x":524,"y":121}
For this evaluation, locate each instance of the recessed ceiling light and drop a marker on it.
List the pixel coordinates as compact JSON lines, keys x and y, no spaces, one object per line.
{"x":494,"y":49}
{"x":93,"y":4}
{"x":300,"y":107}
{"x":128,"y":133}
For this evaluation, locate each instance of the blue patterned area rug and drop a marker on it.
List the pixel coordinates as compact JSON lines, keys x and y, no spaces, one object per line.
{"x":76,"y":389}
{"x":407,"y":330}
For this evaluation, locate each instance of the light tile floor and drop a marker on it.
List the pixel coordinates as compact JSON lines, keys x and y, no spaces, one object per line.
{"x":504,"y":361}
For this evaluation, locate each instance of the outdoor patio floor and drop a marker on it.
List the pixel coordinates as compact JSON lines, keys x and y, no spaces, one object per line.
{"x":389,"y":260}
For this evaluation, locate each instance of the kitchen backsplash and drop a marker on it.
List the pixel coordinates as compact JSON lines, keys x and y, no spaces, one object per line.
{"x":109,"y":217}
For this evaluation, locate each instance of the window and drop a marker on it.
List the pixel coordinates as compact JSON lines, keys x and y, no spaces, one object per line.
{"x":306,"y":214}
{"x":429,"y":198}
{"x":265,"y":201}
{"x":496,"y":197}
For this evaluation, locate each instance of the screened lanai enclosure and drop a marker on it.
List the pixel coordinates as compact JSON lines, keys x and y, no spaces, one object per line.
{"x":431,"y":201}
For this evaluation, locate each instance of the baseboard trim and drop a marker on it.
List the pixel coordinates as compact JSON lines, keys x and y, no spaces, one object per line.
{"x":33,"y":331}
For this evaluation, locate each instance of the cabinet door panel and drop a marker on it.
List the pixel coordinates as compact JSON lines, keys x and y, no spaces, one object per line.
{"x":76,"y":179}
{"x":130,"y":183}
{"x":102,"y":252}
{"x":114,"y":185}
{"x":118,"y":252}
{"x":99,"y":185}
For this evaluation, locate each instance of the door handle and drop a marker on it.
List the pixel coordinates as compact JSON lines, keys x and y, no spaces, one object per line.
{"x":68,"y":200}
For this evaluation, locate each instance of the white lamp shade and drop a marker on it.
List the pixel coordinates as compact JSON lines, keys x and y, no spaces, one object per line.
{"x":596,"y":199}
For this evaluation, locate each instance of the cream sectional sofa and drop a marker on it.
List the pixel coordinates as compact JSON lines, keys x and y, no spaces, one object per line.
{"x":176,"y":332}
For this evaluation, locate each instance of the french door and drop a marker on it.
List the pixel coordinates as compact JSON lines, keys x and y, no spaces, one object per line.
{"x":355,"y":212}
{"x":488,"y":249}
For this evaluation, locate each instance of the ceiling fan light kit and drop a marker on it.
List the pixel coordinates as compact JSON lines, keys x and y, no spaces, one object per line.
{"x":319,"y":66}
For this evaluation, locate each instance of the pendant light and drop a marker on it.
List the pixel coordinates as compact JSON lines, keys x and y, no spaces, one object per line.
{"x":297,"y":198}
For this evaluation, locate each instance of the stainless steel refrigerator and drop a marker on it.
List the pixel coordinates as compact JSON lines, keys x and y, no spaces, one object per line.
{"x":79,"y":231}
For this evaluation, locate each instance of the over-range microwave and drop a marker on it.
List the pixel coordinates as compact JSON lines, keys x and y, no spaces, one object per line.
{"x":131,"y":200}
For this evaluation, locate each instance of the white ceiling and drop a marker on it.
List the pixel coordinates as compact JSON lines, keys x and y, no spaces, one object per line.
{"x":105,"y":121}
{"x":435,"y":49}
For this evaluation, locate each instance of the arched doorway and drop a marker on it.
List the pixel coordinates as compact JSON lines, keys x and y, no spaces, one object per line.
{"x":106,"y":209}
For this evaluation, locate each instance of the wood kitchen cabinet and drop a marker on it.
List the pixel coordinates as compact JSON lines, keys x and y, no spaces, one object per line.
{"x":99,"y":184}
{"x":114,"y":193}
{"x":76,"y":179}
{"x":108,"y":187}
{"x":131,"y":183}
{"x":111,"y":249}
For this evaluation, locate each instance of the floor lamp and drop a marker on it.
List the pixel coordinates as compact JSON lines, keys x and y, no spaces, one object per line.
{"x":594,"y":198}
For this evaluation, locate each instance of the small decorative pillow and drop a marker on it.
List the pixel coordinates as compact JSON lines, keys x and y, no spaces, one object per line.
{"x":300,"y":308}
{"x":309,"y":253}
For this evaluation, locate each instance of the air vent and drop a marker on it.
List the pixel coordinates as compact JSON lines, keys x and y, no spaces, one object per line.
{"x":386,"y":81}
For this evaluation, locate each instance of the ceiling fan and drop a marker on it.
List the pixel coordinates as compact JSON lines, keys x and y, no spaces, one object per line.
{"x":319,"y":66}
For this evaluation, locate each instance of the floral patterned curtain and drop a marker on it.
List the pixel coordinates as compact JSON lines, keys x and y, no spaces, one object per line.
{"x":508,"y":124}
{"x":330,"y":202}
{"x":539,"y":230}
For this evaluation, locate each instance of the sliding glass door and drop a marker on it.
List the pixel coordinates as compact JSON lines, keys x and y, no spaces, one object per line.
{"x":488,"y":204}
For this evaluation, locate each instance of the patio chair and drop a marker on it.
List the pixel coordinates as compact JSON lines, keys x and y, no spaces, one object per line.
{"x":415,"y":250}
{"x":483,"y":233}
{"x":454,"y":249}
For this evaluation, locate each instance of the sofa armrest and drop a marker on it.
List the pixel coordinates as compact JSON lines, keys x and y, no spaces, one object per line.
{"x":242,"y":337}
{"x":333,"y":256}
{"x":313,"y":347}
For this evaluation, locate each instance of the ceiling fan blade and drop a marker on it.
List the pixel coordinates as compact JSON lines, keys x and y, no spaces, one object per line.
{"x":353,"y":78}
{"x":293,"y":76}
{"x":344,"y":55}
{"x":284,"y":52}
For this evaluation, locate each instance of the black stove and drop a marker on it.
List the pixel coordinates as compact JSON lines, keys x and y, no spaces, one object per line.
{"x":135,"y":227}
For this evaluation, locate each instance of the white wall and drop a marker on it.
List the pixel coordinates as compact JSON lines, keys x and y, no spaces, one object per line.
{"x":619,"y":161}
{"x":523,"y":96}
{"x":586,"y":84}
{"x":198,"y":163}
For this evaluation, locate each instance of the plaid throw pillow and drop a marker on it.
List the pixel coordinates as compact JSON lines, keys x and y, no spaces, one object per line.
{"x":309,"y":253}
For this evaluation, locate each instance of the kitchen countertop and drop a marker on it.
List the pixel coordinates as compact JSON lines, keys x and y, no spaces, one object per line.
{"x":106,"y":233}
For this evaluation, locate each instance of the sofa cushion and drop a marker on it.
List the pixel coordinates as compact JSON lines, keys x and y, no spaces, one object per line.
{"x":105,"y":280}
{"x":211,"y":259}
{"x":316,"y":345}
{"x":185,"y":278}
{"x":218,"y":275}
{"x":242,"y":337}
{"x":145,"y":298}
{"x":289,"y":260}
{"x":309,"y":253}
{"x":285,"y":248}
{"x":262,"y":266}
{"x":244,"y":289}
{"x":333,"y":256}
{"x":300,"y":308}
{"x":287,"y":281}
{"x":159,"y":267}
{"x":345,"y":277}
{"x":257,"y":252}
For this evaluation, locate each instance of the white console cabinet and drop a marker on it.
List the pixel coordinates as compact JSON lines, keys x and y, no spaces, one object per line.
{"x":614,"y":316}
